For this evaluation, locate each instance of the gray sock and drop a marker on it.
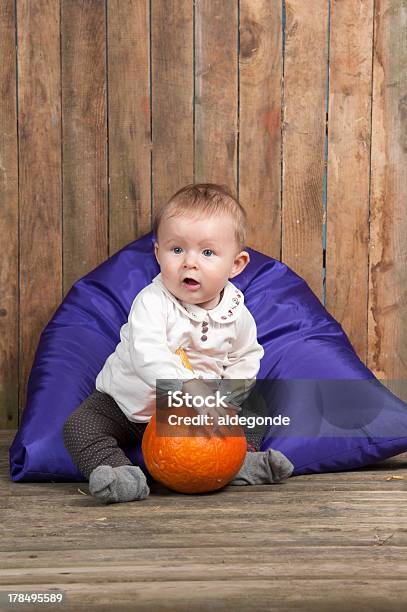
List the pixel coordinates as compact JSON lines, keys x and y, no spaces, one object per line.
{"x":263,"y":468}
{"x":118,"y":484}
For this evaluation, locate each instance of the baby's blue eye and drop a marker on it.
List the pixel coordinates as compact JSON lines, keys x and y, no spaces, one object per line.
{"x":177,"y":250}
{"x":208,"y":251}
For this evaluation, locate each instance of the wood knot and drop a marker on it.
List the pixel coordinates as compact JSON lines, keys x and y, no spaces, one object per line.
{"x":250,"y":36}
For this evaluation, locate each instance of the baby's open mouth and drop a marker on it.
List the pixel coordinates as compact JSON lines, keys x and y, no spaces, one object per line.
{"x":190,"y":281}
{"x":191,"y":284}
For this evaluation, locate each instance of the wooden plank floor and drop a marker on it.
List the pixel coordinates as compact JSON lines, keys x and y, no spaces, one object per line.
{"x":334,"y":542}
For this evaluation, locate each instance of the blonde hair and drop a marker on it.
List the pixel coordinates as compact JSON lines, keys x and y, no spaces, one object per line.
{"x":205,"y":198}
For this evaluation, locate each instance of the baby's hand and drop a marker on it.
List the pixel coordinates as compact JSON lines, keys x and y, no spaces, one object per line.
{"x":201,"y":389}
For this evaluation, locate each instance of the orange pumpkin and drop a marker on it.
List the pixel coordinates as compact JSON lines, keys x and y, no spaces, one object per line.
{"x":191,"y":463}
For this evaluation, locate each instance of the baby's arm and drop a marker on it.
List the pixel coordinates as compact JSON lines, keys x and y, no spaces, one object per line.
{"x":240,"y":377}
{"x":240,"y":373}
{"x":150,"y":355}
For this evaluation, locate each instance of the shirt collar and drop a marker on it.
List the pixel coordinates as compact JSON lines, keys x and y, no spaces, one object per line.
{"x":228,"y":309}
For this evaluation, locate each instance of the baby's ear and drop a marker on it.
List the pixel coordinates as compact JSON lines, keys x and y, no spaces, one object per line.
{"x":241,"y":261}
{"x":156,"y":251}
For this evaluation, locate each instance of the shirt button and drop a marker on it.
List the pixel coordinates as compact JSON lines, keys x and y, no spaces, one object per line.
{"x":204,"y":338}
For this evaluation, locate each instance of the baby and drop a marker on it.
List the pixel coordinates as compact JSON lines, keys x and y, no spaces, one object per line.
{"x":191,"y":305}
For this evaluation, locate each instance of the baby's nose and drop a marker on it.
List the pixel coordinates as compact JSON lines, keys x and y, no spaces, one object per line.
{"x":189,"y":260}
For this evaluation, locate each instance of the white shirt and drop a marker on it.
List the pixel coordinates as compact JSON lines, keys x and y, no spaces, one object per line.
{"x":159,"y":324}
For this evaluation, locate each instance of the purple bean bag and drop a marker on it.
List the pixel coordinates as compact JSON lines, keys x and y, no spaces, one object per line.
{"x":341,"y":416}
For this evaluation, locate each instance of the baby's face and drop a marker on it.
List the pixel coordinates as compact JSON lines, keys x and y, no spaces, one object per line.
{"x":203,"y":250}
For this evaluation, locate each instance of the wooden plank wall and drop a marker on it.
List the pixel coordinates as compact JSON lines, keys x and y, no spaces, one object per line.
{"x":109,"y":106}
